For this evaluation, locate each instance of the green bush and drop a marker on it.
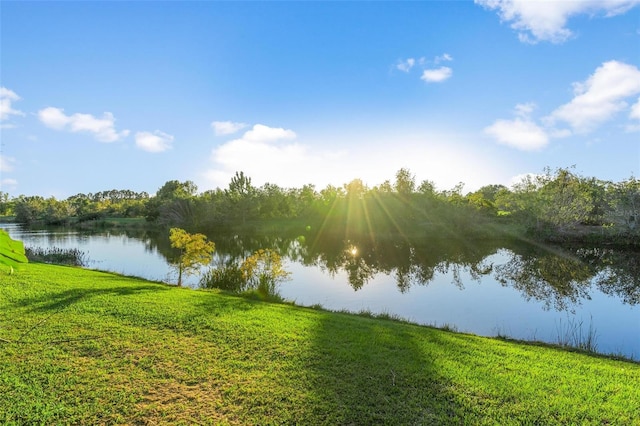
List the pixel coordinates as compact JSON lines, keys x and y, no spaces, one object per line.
{"x":225,"y":277}
{"x":261,"y":272}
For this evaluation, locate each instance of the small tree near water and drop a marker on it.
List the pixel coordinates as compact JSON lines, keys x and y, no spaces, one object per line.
{"x":264,"y":271}
{"x":196,"y":251}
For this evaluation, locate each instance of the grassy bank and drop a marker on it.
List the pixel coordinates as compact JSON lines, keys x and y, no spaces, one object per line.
{"x":85,"y":347}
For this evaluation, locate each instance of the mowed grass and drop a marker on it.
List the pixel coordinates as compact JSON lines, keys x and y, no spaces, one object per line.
{"x":85,"y":347}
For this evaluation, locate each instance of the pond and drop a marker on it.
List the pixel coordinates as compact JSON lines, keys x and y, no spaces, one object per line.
{"x":513,"y":289}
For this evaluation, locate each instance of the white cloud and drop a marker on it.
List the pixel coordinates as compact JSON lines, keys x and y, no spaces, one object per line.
{"x":546,"y":20}
{"x":443,"y":58}
{"x":262,"y":133}
{"x":260,"y":151}
{"x":635,"y":110}
{"x":525,"y":110}
{"x":559,"y":133}
{"x":6,"y":166}
{"x":522,"y":132}
{"x":437,"y":75}
{"x":6,"y":163}
{"x":519,"y":133}
{"x":596,"y":101}
{"x":430,"y":75}
{"x":102,"y":128}
{"x":406,"y":65}
{"x":227,"y":127}
{"x":8,"y":182}
{"x":53,"y":118}
{"x":601,"y":96}
{"x":6,"y":98}
{"x":153,"y":142}
{"x":634,"y":115}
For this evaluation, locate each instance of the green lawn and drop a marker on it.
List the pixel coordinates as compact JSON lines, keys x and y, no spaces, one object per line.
{"x":85,"y":347}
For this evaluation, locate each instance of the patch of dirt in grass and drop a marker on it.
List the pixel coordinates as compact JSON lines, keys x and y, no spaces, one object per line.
{"x":179,"y":403}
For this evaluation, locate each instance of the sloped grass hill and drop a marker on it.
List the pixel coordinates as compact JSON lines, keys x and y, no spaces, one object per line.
{"x":86,"y":347}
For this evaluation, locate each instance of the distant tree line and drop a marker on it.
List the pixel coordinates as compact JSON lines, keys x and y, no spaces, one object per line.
{"x":556,"y":203}
{"x":77,"y":208}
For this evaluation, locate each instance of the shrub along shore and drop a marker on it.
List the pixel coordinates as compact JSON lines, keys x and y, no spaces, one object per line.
{"x":86,"y":347}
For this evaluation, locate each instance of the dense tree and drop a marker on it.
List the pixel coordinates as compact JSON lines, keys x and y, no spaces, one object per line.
{"x":174,"y":189}
{"x":305,"y":200}
{"x":242,"y":196}
{"x":274,"y":202}
{"x":6,"y":206}
{"x":172,"y":204}
{"x":485,"y":197}
{"x":384,"y":188}
{"x":211,"y":208}
{"x":454,"y":195}
{"x":566,"y":200}
{"x":555,"y":202}
{"x":29,"y":209}
{"x":355,"y":189}
{"x":56,"y":212}
{"x":329,"y":195}
{"x":624,"y":201}
{"x":405,"y":184}
{"x":427,"y":188}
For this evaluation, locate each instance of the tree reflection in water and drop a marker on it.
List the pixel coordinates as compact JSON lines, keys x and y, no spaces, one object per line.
{"x":619,"y":274}
{"x":555,"y":278}
{"x":558,"y":277}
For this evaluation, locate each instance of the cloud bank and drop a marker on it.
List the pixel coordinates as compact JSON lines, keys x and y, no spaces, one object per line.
{"x":596,"y":101}
{"x":276,"y":155}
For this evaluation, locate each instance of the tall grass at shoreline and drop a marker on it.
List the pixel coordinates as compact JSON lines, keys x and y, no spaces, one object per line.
{"x":574,"y":334}
{"x":57,"y":256}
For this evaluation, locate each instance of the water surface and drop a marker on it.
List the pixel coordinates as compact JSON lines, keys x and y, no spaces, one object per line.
{"x":494,"y":288}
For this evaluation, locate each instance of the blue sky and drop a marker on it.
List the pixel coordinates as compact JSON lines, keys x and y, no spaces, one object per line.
{"x":128,"y":95}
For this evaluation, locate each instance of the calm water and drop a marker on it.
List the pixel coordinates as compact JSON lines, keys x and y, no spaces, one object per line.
{"x":490,"y":288}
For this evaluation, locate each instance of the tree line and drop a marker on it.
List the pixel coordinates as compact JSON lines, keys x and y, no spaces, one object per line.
{"x":77,"y":208}
{"x":557,"y":202}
